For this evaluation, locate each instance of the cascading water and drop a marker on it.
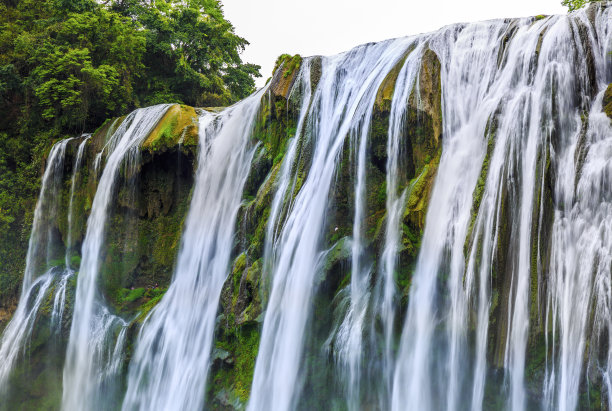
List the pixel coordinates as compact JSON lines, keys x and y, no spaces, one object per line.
{"x":287,"y":179}
{"x":34,"y":289}
{"x":343,"y":104}
{"x":395,"y":205}
{"x":580,"y":260}
{"x":468,"y":75}
{"x":510,"y":133}
{"x":42,"y":256}
{"x":87,"y":371}
{"x":506,"y":96}
{"x":172,"y":356}
{"x":351,"y":331}
{"x":59,"y":300}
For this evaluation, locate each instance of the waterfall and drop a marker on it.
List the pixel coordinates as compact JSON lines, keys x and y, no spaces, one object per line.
{"x":433,"y":232}
{"x":40,"y":289}
{"x":500,"y":108}
{"x":342,"y":105}
{"x":46,"y":210}
{"x":287,"y":180}
{"x":90,"y":346}
{"x":466,"y":74}
{"x":395,"y":205}
{"x":172,"y":356}
{"x":34,"y":290}
{"x":580,"y":260}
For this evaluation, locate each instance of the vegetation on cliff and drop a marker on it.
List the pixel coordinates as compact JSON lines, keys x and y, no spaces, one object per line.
{"x":66,"y":66}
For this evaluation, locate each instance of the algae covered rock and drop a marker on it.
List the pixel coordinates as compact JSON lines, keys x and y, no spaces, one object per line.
{"x":146,"y":220}
{"x":177,"y":128}
{"x":607,"y":101}
{"x":285,"y":73}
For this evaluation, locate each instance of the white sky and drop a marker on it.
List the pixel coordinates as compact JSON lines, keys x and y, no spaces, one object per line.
{"x":325,"y":27}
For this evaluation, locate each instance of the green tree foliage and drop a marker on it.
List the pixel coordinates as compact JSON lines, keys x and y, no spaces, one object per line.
{"x":192,"y":54}
{"x":66,"y":65}
{"x":576,"y":4}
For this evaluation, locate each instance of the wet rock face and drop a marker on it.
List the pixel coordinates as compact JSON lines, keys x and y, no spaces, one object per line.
{"x":177,"y":130}
{"x":285,"y":74}
{"x":144,"y":231}
{"x":607,"y":101}
{"x":6,"y":312}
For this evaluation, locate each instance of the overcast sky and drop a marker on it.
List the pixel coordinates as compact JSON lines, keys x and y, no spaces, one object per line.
{"x":310,"y":27}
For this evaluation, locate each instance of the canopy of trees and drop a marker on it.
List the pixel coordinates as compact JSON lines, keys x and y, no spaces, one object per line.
{"x":66,"y":65}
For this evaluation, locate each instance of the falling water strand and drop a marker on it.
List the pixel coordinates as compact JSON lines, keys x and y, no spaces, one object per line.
{"x":351,"y":332}
{"x":395,"y":205}
{"x":45,"y":212}
{"x":466,"y":72}
{"x":173,"y":351}
{"x":34,"y":290}
{"x":73,"y":183}
{"x":93,"y":328}
{"x":59,"y":299}
{"x":286,"y":180}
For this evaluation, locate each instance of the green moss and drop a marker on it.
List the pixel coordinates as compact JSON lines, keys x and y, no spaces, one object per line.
{"x":341,"y":250}
{"x":233,"y":372}
{"x":153,"y":296}
{"x":290,"y":64}
{"x":419,"y":191}
{"x":57,"y":262}
{"x":127,"y":296}
{"x":607,"y":101}
{"x":179,"y":126}
{"x":276,"y":124}
{"x":75,"y":261}
{"x":103,"y":126}
{"x":479,"y":189}
{"x":590,"y":397}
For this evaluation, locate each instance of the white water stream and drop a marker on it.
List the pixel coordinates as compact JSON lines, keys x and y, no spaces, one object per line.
{"x":172,"y":356}
{"x":94,"y":329}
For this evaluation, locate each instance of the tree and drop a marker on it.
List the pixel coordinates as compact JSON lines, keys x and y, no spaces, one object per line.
{"x":192,"y":53}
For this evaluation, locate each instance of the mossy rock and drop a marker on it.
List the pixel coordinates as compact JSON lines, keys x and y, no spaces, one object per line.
{"x":384,"y":96}
{"x":285,"y":73}
{"x":102,"y":134}
{"x":607,"y":101}
{"x":419,"y":193}
{"x":147,"y":216}
{"x":233,"y":367}
{"x":178,"y":127}
{"x":424,"y":115}
{"x":316,"y":71}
